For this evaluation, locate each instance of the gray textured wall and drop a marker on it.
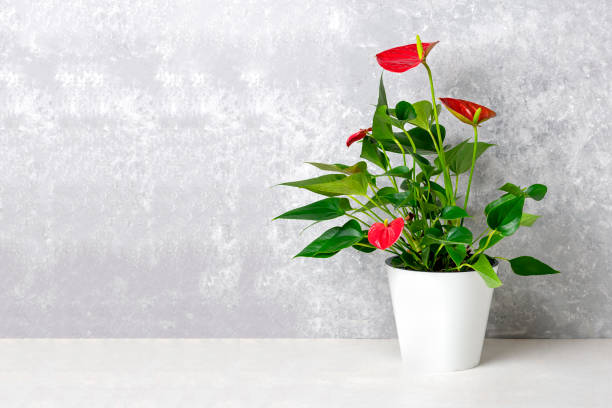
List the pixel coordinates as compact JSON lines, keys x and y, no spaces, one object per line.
{"x":138,"y":141}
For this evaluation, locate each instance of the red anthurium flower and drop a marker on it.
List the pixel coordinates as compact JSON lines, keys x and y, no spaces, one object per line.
{"x":465,"y":110}
{"x":401,"y":59}
{"x":357,"y":136}
{"x":382,"y":236}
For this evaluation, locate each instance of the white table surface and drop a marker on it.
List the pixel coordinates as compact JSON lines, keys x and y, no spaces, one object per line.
{"x":296,"y":373}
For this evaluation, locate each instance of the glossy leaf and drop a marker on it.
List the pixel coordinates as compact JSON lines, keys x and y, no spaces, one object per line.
{"x":455,"y":235}
{"x":381,"y":129}
{"x":333,"y":240}
{"x":453,"y":212}
{"x":405,"y":111}
{"x":326,"y":209}
{"x":420,"y":137}
{"x":459,"y":158}
{"x":423,"y":111}
{"x":457,"y":253}
{"x":334,"y":184}
{"x":459,"y":235}
{"x":527,"y":266}
{"x":486,"y":271}
{"x":495,"y":203}
{"x":536,"y":191}
{"x":371,"y":152}
{"x":527,"y":220}
{"x":506,"y":217}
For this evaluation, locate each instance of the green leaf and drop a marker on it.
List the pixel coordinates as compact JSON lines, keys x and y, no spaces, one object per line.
{"x":495,"y":203}
{"x":313,"y":248}
{"x":512,"y":189}
{"x":506,"y":217}
{"x":459,"y":235}
{"x":423,"y":112}
{"x":495,"y":238}
{"x":486,"y":271}
{"x":381,"y":128}
{"x":536,"y":191}
{"x":360,"y":167}
{"x":399,"y":171}
{"x":371,"y":152}
{"x":421,"y":138}
{"x":457,"y":253}
{"x":455,"y":235}
{"x":459,"y":158}
{"x":527,"y":220}
{"x":405,"y":111}
{"x":333,"y":240}
{"x":527,"y":265}
{"x":453,"y":212}
{"x":382,"y":95}
{"x":326,"y":209}
{"x":334,"y":184}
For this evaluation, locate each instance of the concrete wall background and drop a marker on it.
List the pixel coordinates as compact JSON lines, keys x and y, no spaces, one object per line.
{"x":138,"y":141}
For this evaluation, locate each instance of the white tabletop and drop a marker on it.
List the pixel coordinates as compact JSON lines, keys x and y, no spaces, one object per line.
{"x":297,"y":373}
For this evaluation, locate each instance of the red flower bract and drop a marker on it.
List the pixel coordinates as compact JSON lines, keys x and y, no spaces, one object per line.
{"x":465,"y":110}
{"x":357,"y":136}
{"x":383,"y":236}
{"x":401,"y":59}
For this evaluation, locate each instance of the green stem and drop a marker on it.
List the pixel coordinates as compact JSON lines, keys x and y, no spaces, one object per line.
{"x":467,"y":193}
{"x":447,"y":180}
{"x":356,"y":218}
{"x":368,"y":212}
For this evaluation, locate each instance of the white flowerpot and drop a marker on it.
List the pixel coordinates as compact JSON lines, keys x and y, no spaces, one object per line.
{"x":441,"y":317}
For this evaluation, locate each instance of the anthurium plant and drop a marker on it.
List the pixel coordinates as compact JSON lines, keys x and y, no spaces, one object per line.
{"x":420,"y":193}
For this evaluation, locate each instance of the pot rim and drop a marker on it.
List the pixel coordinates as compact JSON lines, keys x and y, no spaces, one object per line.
{"x":388,"y":263}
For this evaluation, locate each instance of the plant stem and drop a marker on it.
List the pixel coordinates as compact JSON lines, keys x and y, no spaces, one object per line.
{"x":355,"y":218}
{"x":467,"y":193}
{"x":369,"y":212}
{"x":447,"y":181}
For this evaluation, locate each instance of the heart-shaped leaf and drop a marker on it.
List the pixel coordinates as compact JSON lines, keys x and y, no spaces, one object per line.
{"x":457,"y":253}
{"x":423,"y":112}
{"x":536,"y":191}
{"x":405,"y":111}
{"x":506,"y":217}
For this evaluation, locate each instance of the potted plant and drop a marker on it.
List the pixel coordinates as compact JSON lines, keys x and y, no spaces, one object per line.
{"x":441,"y":274}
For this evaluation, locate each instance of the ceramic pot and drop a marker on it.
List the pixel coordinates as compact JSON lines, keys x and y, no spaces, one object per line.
{"x":441,"y":317}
